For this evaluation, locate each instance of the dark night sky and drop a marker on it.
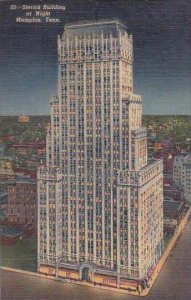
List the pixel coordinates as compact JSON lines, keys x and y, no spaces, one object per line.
{"x":162,"y":53}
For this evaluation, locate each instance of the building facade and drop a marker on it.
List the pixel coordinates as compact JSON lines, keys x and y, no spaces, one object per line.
{"x":22,"y":203}
{"x":182,"y":173}
{"x":100,"y":201}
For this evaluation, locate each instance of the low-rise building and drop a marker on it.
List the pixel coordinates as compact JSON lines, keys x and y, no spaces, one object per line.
{"x":22,"y":202}
{"x":173,"y":212}
{"x":182,"y":173}
{"x":6,"y":138}
{"x":38,"y":148}
{"x":6,"y":168}
{"x":2,"y":150}
{"x":23,"y":119}
{"x":173,"y":190}
{"x":3,"y":204}
{"x":25,"y":172}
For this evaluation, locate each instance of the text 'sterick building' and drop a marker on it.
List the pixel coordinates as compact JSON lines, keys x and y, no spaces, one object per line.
{"x":100,"y":201}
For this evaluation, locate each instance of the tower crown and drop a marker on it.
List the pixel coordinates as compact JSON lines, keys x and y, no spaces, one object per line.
{"x":95,"y":26}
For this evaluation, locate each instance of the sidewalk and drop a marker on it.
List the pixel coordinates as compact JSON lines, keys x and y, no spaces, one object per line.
{"x":151,"y":281}
{"x":166,"y":253}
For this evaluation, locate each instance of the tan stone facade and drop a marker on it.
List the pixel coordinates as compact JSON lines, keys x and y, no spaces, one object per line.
{"x":100,"y":200}
{"x":96,"y":279}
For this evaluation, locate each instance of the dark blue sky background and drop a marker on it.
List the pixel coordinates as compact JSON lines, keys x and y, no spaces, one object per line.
{"x":162,"y":53}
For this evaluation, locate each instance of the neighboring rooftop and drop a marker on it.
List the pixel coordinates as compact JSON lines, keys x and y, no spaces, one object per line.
{"x":10,"y":231}
{"x":172,"y":207}
{"x":184,"y":158}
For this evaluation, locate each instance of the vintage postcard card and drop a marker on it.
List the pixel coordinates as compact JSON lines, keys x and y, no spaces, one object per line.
{"x":95,"y":149}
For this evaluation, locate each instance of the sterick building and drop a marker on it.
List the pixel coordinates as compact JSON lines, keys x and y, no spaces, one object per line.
{"x":100,"y":201}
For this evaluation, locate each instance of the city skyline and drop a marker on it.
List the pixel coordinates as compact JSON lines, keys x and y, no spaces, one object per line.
{"x":161,"y":51}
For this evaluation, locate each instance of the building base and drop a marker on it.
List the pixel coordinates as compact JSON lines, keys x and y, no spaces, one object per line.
{"x":96,"y":279}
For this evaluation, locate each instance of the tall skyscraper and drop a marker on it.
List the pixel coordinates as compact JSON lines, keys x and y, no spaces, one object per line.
{"x":100,"y":201}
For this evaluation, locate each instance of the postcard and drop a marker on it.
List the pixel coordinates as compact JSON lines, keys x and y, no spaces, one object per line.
{"x":95,"y":149}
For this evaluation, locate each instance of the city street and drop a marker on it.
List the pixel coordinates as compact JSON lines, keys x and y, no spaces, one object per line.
{"x":173,"y":282}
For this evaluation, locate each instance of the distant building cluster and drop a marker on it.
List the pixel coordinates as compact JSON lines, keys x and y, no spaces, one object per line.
{"x":176,"y":174}
{"x":21,"y":150}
